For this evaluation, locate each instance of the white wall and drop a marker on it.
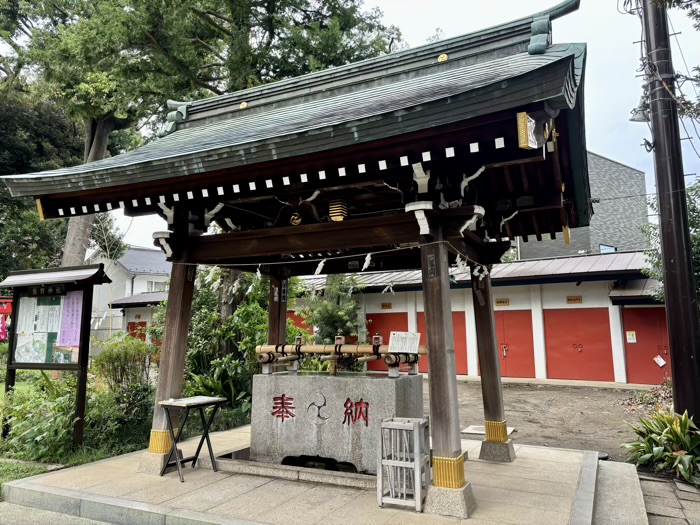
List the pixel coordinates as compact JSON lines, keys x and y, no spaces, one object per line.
{"x":594,"y":295}
{"x":141,"y":282}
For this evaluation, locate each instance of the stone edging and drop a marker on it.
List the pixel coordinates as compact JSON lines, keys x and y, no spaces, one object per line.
{"x":584,"y":499}
{"x":105,"y":508}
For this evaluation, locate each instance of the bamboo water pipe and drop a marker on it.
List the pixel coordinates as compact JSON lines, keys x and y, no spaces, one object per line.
{"x":350,"y":349}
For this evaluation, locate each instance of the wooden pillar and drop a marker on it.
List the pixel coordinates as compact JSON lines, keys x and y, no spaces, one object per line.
{"x":173,"y":349}
{"x":277,"y":314}
{"x":497,"y":446}
{"x":448,"y":461}
{"x":83,"y":358}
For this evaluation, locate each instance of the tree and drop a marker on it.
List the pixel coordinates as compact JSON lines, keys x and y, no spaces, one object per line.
{"x":113,"y":63}
{"x":34,"y":135}
{"x":335,"y":310}
{"x":688,"y":108}
{"x":653,"y":252}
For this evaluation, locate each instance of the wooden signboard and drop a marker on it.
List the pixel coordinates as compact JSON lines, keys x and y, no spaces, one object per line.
{"x":574,"y":299}
{"x":503,"y":302}
{"x":50,"y":329}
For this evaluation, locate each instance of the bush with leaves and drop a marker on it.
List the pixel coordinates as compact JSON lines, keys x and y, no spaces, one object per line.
{"x":124,"y":361}
{"x":667,"y":441}
{"x":41,"y":420}
{"x":119,"y":420}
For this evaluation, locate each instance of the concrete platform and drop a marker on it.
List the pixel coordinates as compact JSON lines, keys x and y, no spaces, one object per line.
{"x":542,"y":485}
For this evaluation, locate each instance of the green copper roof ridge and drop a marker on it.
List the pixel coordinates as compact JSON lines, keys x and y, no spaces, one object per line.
{"x":553,"y":13}
{"x":562,"y":9}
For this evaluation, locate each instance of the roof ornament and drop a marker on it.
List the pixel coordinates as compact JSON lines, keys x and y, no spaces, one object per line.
{"x":443,"y":57}
{"x":541,"y":28}
{"x":177,"y":114}
{"x":541,"y":35}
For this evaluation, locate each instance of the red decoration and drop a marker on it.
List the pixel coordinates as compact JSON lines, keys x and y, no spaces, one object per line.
{"x":355,"y":411}
{"x":282,"y":407}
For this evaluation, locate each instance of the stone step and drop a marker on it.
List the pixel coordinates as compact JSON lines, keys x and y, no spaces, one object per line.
{"x":255,"y":468}
{"x":618,"y":496}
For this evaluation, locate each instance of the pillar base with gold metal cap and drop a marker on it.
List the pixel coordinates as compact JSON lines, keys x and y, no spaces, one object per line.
{"x":497,"y":446}
{"x":159,"y":447}
{"x":450,"y":494}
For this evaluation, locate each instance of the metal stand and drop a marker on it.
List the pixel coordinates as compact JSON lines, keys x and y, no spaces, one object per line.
{"x":187,"y":403}
{"x":404,"y":462}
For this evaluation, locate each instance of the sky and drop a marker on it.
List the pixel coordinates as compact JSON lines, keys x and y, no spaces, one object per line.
{"x":612,"y":88}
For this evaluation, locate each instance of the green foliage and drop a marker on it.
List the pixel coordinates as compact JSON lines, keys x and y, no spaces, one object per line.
{"x":653,"y":251}
{"x":34,"y":135}
{"x":119,"y":420}
{"x":667,"y":441}
{"x":41,"y":422}
{"x":229,"y":378}
{"x":10,"y":470}
{"x":124,"y":361}
{"x":334,"y":311}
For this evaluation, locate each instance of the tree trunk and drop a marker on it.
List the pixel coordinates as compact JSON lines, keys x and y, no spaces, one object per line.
{"x":97,"y":132}
{"x":229,"y":301}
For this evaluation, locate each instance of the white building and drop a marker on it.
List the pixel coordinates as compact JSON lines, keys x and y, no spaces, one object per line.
{"x":138,"y":271}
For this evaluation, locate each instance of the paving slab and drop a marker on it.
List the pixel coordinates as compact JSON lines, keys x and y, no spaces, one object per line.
{"x":219,"y":493}
{"x":662,"y":490}
{"x":517,"y":514}
{"x":265,"y":498}
{"x":685,"y":487}
{"x":662,"y":502}
{"x":309,"y":507}
{"x":688,"y":496}
{"x":364,"y":511}
{"x":658,"y":510}
{"x":664,"y":520}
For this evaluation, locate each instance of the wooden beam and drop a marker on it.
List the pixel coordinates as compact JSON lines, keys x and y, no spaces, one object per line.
{"x":509,"y":181}
{"x":523,"y":178}
{"x":277,"y":311}
{"x":387,"y":230}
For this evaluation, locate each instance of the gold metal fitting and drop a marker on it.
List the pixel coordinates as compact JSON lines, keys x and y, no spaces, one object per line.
{"x":443,"y":58}
{"x":243,"y":105}
{"x":496,"y":431}
{"x":160,"y":442}
{"x":338,"y":210}
{"x":448,"y":472}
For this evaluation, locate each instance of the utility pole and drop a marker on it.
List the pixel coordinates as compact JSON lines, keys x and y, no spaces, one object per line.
{"x":682,"y":314}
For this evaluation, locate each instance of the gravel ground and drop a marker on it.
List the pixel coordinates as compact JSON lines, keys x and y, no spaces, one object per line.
{"x":556,"y":416}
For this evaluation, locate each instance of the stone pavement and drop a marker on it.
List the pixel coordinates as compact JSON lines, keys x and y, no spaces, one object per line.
{"x":541,"y":486}
{"x":17,"y":515}
{"x":670,"y":502}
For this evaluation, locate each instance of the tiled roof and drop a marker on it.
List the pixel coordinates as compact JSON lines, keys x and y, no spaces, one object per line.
{"x":564,"y":269}
{"x":140,"y":299}
{"x":145,"y":261}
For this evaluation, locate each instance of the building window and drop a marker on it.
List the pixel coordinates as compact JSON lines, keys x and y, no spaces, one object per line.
{"x":606,"y":248}
{"x":156,"y":286}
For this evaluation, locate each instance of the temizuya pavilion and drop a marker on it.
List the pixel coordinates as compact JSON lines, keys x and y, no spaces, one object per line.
{"x":452,"y":149}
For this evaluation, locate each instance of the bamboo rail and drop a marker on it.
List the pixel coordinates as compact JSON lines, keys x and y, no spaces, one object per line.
{"x":345,"y":349}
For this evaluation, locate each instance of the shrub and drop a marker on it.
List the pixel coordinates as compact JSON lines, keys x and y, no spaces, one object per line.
{"x":41,"y":421}
{"x":119,"y":420}
{"x":667,"y":441}
{"x":124,"y":361}
{"x":229,"y":378}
